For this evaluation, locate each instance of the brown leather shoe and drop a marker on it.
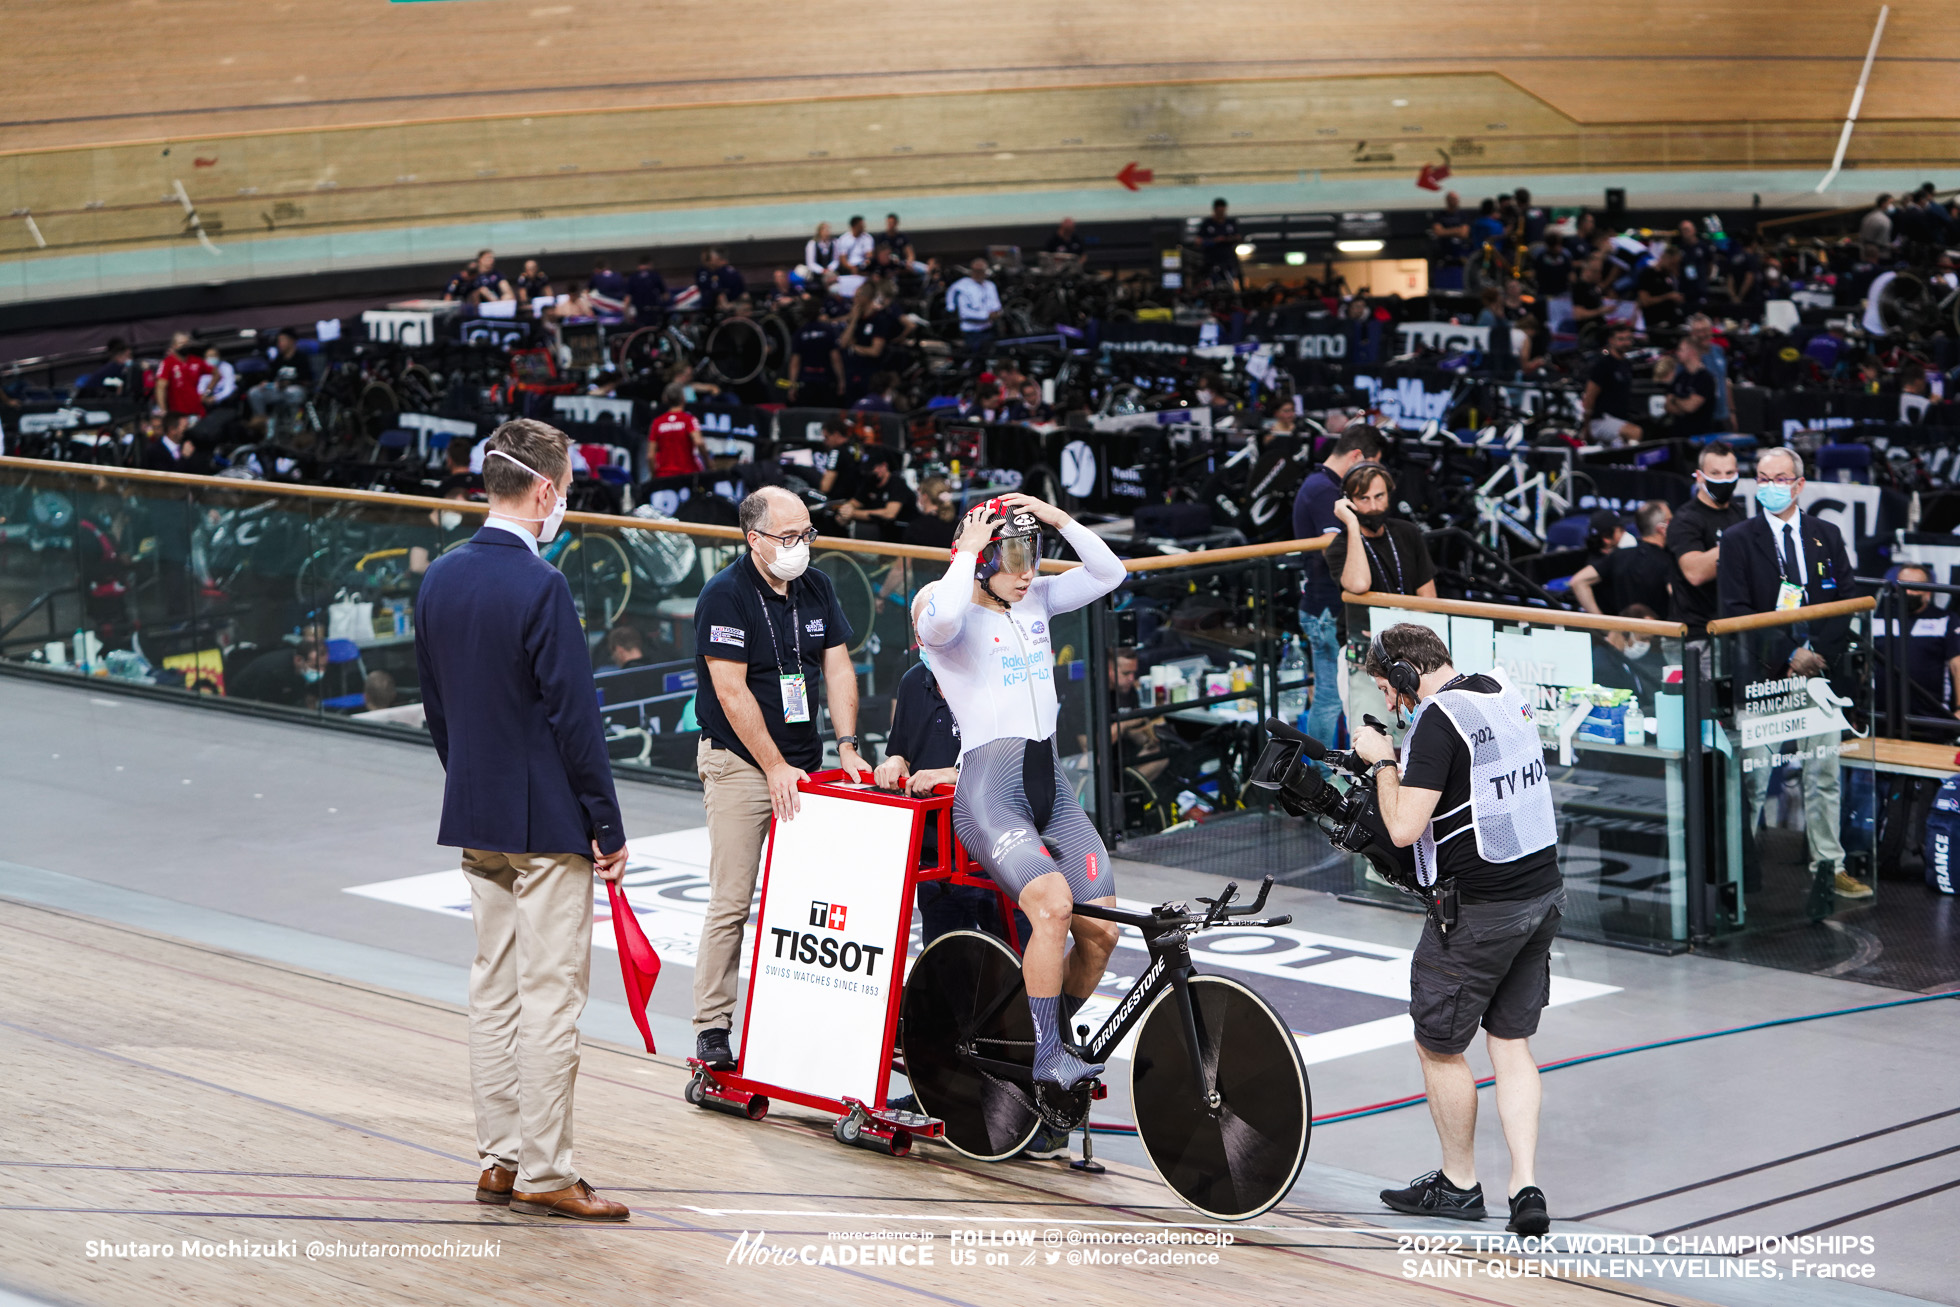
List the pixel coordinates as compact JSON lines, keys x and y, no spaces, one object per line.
{"x":578,"y":1203}
{"x":494,"y":1186}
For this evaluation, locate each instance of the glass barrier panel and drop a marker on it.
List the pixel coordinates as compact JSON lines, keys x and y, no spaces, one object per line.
{"x":55,"y":572}
{"x":1793,"y":813}
{"x":1608,"y":707}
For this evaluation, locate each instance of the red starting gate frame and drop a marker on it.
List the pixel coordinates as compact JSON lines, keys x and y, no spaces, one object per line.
{"x":870,"y":1124}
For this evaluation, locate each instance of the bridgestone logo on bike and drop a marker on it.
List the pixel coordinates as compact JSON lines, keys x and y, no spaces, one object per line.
{"x":1113,"y":1028}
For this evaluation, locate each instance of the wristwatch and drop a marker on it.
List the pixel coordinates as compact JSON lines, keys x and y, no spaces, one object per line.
{"x":847,"y":741}
{"x":1385,"y":762}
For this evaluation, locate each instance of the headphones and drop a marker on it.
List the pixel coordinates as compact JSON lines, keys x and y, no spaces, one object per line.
{"x":1400,"y":673}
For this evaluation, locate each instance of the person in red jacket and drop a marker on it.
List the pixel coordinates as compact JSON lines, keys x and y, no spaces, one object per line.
{"x":675,"y":446}
{"x":178,"y":378}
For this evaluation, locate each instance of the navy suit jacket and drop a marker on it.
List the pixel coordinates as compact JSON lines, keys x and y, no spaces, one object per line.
{"x":507,"y":690}
{"x":1747,"y":576}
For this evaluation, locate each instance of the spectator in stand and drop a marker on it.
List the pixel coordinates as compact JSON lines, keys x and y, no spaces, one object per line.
{"x":1486,"y":228}
{"x":1490,"y":316}
{"x":458,"y":481}
{"x":488,"y":284}
{"x":288,"y":375}
{"x":1631,"y":575}
{"x":1694,"y":537}
{"x":820,"y":253}
{"x":220,"y":380}
{"x":675,"y":445}
{"x":1551,"y":267}
{"x":626,"y":647}
{"x":868,"y":332}
{"x":646,"y":291}
{"x":854,"y":248}
{"x":1374,"y":552}
{"x":1697,"y":265}
{"x":1691,"y":395}
{"x":896,"y":241}
{"x":976,"y":301}
{"x":1532,"y":344}
{"x":882,"y":396}
{"x":1218,"y":243}
{"x":989,"y":403}
{"x":1609,"y":391}
{"x":1875,"y":232}
{"x":840,"y":461}
{"x":1532,"y":220}
{"x":1065,"y":251}
{"x":936,"y":524}
{"x":180,"y":377}
{"x":1744,"y":280}
{"x":1034,"y":408}
{"x":119,"y":377}
{"x":168,"y":446}
{"x":1592,"y":306}
{"x":819,"y":375}
{"x":881,"y":503}
{"x":1701,"y":330}
{"x":1449,"y":234}
{"x":532,"y":284}
{"x":288,"y":676}
{"x":378,"y":691}
{"x":1322,"y":614}
{"x":461,"y":284}
{"x":1662,"y":301}
{"x":782,"y":291}
{"x":721,"y":286}
{"x":1932,"y":646}
{"x":604,"y":281}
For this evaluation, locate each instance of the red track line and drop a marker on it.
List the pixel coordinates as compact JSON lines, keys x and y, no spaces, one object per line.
{"x":335,"y":1198}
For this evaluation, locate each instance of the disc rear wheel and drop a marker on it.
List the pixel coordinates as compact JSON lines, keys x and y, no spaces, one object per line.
{"x":1238,"y":1158}
{"x":963,"y":999}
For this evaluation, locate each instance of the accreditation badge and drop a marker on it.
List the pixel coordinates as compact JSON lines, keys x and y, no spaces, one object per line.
{"x":1789,"y":595}
{"x":796,"y":697}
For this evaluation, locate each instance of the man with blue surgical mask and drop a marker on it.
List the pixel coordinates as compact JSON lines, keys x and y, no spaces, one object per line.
{"x":1781,"y":560}
{"x":289,"y":676}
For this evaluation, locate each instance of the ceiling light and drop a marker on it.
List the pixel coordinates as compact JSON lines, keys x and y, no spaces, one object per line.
{"x":1245,"y":251}
{"x":1295,"y":258}
{"x":1358,"y":247}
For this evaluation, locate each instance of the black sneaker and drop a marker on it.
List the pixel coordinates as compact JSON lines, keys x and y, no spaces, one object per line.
{"x":1432,"y":1195}
{"x":1528,"y":1214}
{"x":1047,"y":1145}
{"x":909,"y":1103}
{"x":711,"y":1047}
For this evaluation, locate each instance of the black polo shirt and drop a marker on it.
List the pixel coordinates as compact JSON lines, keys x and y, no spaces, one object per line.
{"x":1685,"y":384}
{"x":1666,"y":315}
{"x":1060,"y":244}
{"x":1637,"y":575}
{"x":925,"y":734}
{"x":734,"y":619}
{"x":1697,"y":527}
{"x":1219,"y":238}
{"x":1614,"y":377}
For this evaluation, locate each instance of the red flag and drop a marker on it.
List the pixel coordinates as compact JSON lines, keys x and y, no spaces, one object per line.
{"x":639,"y":965}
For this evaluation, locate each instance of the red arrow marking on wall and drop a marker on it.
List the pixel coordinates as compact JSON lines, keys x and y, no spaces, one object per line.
{"x":1133,"y":176}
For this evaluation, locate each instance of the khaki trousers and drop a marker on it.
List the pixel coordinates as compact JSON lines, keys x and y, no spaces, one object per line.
{"x":736,"y":796}
{"x":533,"y":967}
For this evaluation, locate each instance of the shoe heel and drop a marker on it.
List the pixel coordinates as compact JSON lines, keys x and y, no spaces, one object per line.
{"x":492,"y":1199}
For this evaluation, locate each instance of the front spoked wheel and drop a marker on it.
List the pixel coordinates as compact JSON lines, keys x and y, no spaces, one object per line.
{"x":964,"y":999}
{"x":1235,"y":1159}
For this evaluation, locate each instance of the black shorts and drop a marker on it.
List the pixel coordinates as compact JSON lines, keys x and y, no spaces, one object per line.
{"x":1494,"y":971}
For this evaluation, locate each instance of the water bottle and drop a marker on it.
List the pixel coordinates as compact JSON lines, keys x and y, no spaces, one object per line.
{"x":1292,"y":667}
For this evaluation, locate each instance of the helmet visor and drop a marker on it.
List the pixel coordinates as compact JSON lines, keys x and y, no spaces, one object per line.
{"x":1018,"y":554}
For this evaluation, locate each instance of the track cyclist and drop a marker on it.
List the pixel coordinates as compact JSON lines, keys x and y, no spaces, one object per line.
{"x":987,"y":626}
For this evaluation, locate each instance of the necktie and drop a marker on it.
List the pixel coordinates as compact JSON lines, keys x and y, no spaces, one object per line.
{"x":1792,"y":569}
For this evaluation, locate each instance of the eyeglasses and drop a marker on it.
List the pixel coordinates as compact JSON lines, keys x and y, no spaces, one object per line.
{"x":1777,"y":481}
{"x":790,"y":539}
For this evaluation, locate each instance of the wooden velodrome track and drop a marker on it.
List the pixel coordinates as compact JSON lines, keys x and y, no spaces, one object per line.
{"x":340,"y":115}
{"x":188,"y":1094}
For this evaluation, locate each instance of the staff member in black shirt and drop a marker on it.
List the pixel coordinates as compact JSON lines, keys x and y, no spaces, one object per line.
{"x":1551,"y":267}
{"x":1638,"y":575}
{"x":1694,"y":537}
{"x":1066,"y":249}
{"x":1784,"y":558}
{"x":881,"y":501}
{"x":1931,"y":638}
{"x":1663,"y":306}
{"x":1691,"y":399}
{"x":1374,"y":552}
{"x":765,"y":626}
{"x":1320,"y":590}
{"x":1218,"y":241}
{"x":1609,"y":391}
{"x":1484,"y":826}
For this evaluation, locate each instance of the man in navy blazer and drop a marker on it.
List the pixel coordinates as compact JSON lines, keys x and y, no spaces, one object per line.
{"x":507,"y":689}
{"x":1786,"y":558}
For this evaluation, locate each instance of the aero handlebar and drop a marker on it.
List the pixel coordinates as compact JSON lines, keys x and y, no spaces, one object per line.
{"x":1167,"y":917}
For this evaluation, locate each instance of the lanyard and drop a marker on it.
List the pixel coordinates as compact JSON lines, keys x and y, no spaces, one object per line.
{"x":1393,"y":552}
{"x":769,"y":620}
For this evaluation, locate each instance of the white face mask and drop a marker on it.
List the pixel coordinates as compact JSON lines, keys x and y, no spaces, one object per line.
{"x":791,"y":561}
{"x":548,"y":531}
{"x":1638,"y":649}
{"x":449,"y":519}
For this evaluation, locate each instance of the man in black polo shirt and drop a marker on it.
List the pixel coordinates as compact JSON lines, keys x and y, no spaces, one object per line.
{"x":1663,"y":306}
{"x":1218,"y":241}
{"x":1551,"y":267}
{"x":1486,"y":852}
{"x":1694,"y":537}
{"x":881,"y":501}
{"x":1609,"y":391}
{"x":764,"y":627}
{"x":1691,"y":396}
{"x":1636,"y":575}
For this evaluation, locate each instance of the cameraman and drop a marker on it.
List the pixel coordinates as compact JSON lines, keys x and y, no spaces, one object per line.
{"x":1487,"y":850}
